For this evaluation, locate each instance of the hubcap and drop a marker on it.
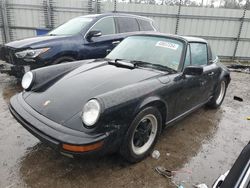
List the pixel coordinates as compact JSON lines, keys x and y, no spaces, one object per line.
{"x":144,"y":134}
{"x":222,"y":92}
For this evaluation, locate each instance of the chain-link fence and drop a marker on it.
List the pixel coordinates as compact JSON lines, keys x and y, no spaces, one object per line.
{"x":225,"y":24}
{"x":231,"y":4}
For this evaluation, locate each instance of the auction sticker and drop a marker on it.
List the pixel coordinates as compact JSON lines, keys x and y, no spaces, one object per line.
{"x":169,"y":45}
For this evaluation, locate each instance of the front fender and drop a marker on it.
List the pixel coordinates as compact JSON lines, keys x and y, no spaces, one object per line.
{"x":124,"y":103}
{"x":153,"y":101}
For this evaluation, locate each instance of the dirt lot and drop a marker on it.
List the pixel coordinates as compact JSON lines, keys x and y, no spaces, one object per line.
{"x":205,"y":143}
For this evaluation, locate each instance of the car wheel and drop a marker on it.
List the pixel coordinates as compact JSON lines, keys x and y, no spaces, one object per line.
{"x":142,"y":135}
{"x":63,"y":59}
{"x":219,"y":96}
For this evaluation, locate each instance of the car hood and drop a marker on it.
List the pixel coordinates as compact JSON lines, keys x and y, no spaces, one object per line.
{"x":67,"y":96}
{"x":34,"y":41}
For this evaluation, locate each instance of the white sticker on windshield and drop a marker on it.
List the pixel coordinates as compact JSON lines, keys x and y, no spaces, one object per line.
{"x":169,"y":45}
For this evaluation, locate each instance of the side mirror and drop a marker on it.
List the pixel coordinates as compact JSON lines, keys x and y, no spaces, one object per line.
{"x":93,"y":33}
{"x":193,"y":70}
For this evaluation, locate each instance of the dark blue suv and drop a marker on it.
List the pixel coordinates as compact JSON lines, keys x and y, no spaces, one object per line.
{"x":84,"y":37}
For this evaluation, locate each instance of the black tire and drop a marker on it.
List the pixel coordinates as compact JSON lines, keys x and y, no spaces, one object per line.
{"x":63,"y":59}
{"x":215,"y":102}
{"x":127,"y":146}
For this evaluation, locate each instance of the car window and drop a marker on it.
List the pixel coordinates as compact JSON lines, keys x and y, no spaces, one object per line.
{"x":145,"y":25}
{"x":198,"y":53}
{"x":105,"y":25}
{"x":187,"y":58}
{"x":126,"y":24}
{"x":71,"y":27}
{"x":156,"y":50}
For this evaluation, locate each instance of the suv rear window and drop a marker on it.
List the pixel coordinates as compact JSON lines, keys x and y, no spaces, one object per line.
{"x":145,"y":25}
{"x":126,"y":24}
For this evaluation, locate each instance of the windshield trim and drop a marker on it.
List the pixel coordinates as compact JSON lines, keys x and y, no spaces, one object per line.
{"x":182,"y":59}
{"x":183,"y":41}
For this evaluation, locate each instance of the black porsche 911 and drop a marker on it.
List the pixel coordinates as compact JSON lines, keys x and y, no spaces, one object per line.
{"x":122,"y":102}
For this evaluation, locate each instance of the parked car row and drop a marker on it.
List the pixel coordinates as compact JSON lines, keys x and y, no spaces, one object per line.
{"x":155,"y":78}
{"x":114,"y":100}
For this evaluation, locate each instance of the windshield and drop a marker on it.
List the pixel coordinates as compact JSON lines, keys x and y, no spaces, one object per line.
{"x":151,"y":49}
{"x":71,"y":27}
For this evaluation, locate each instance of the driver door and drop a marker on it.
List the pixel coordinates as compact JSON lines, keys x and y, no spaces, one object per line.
{"x":195,"y":90}
{"x":199,"y":57}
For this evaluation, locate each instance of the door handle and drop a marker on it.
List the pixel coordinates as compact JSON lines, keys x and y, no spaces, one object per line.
{"x":116,"y":42}
{"x":211,"y":74}
{"x":108,"y":51}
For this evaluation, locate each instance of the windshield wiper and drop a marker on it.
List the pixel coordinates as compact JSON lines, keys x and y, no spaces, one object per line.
{"x":152,"y":65}
{"x":122,"y":63}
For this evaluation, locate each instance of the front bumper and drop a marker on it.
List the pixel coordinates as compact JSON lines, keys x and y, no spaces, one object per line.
{"x":54,"y":134}
{"x":14,"y":70}
{"x":17,"y":67}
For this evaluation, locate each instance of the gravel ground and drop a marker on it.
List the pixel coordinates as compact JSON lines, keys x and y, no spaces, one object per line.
{"x":200,"y":147}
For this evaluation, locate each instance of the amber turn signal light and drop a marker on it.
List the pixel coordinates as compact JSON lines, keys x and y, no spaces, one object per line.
{"x":82,"y":148}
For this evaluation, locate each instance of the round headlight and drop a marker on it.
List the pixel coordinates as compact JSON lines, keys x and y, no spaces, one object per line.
{"x":91,"y":112}
{"x":27,"y":80}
